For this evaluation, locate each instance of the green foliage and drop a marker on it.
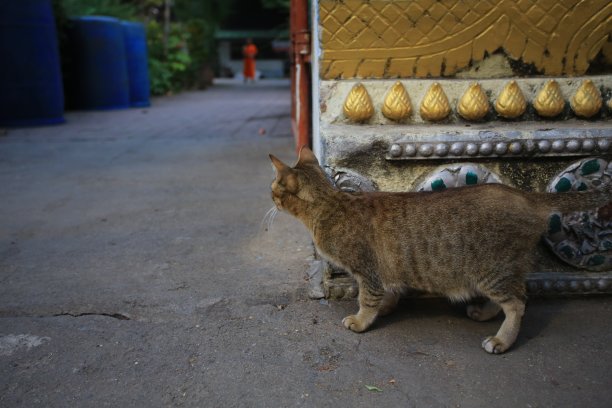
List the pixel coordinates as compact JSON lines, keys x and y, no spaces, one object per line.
{"x":276,"y":4}
{"x":210,"y":10}
{"x":112,"y":8}
{"x":190,"y":43}
{"x":201,"y":47}
{"x":168,"y":69}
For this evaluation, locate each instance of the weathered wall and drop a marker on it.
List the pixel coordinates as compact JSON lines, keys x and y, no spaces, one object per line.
{"x":425,"y":38}
{"x":426,"y":94}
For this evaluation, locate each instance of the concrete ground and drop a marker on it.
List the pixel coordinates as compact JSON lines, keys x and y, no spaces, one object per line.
{"x":135,"y":271}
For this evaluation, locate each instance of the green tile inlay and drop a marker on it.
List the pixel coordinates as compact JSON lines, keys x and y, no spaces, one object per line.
{"x":438,"y":185}
{"x":554,"y":224}
{"x":471,"y":178}
{"x":582,"y":187}
{"x":596,"y":260}
{"x":590,"y":167}
{"x":567,"y":251}
{"x":563,"y":185}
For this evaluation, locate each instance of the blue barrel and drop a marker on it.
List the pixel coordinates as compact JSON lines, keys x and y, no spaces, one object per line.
{"x":135,"y":39}
{"x":99,"y":64}
{"x":31,"y":90}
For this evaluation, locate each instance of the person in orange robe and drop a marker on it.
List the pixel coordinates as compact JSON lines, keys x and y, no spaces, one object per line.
{"x":249,"y":51}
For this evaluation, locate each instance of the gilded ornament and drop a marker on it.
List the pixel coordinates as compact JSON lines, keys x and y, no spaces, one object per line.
{"x":549,"y":101}
{"x":511,"y":102}
{"x":435,"y":104}
{"x":358,"y":105}
{"x":397,"y":103}
{"x":587,"y":101}
{"x":427,"y":38}
{"x":474,"y":104}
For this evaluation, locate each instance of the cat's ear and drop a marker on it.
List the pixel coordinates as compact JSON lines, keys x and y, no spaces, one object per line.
{"x":307,"y":156}
{"x":278,"y":165}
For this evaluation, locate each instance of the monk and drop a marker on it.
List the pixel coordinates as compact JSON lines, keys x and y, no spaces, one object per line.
{"x":249,"y":51}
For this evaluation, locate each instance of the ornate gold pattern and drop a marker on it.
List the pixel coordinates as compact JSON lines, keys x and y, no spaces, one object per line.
{"x":549,"y":101}
{"x":397,"y":103}
{"x":587,"y":101}
{"x":474,"y":104}
{"x":511,"y":102}
{"x":358,"y":105}
{"x":419,"y":38}
{"x":435,"y":104}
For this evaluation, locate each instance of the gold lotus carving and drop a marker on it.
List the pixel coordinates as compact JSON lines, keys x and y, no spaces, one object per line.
{"x":397,"y":103}
{"x":435,"y":104}
{"x":549,"y":102}
{"x":474,"y":104}
{"x":587,"y":101}
{"x":358,"y":105}
{"x":511,"y":102}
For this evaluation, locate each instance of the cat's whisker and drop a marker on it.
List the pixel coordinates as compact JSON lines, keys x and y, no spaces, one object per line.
{"x":271,"y":219}
{"x":266,"y":221}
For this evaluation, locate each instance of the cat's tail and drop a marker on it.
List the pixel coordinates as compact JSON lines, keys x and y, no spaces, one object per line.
{"x":575,"y":200}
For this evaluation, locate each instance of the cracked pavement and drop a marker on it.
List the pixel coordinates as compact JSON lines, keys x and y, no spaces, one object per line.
{"x":135,"y":271}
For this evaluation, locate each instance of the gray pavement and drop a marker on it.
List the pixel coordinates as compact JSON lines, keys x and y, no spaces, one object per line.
{"x":135,"y":271}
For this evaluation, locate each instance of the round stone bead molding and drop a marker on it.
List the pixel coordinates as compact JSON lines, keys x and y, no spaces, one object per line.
{"x":457,"y":175}
{"x":538,"y":284}
{"x":555,"y":284}
{"x":518,"y":148}
{"x":582,"y":238}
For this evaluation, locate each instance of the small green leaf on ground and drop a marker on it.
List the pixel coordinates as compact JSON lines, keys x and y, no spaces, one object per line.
{"x":373,"y":388}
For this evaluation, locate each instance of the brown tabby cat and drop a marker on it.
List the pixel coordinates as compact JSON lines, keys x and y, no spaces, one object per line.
{"x":461,"y":243}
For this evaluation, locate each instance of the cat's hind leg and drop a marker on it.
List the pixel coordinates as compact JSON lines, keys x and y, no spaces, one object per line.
{"x":514,"y":309}
{"x":483,"y":312}
{"x":389,"y":303}
{"x":370,"y":301}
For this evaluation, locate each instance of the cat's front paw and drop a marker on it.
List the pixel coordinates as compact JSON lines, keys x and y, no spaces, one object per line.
{"x":353,"y":323}
{"x":494,"y":345}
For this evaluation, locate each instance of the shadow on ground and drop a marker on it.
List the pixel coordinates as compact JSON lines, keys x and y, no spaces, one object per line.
{"x":134,"y":271}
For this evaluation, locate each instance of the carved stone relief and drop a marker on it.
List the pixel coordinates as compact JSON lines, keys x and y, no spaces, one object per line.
{"x":422,"y":95}
{"x":424,"y":38}
{"x":582,"y":239}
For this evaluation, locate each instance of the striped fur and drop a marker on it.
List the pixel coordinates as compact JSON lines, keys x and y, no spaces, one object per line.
{"x":461,"y":243}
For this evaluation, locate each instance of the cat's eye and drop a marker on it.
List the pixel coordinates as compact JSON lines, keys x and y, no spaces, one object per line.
{"x":280,"y":185}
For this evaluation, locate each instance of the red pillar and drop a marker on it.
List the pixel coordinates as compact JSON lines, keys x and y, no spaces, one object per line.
{"x":300,"y":73}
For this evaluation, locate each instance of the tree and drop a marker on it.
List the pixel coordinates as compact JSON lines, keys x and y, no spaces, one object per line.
{"x":276,"y":4}
{"x":113,"y":8}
